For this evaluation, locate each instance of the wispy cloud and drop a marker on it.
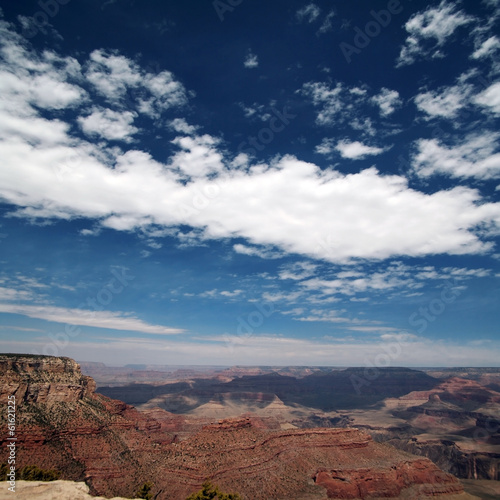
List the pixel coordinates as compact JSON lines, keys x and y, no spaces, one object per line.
{"x":444,"y":102}
{"x":97,"y":319}
{"x":309,"y":13}
{"x":477,"y":157}
{"x":490,"y":99}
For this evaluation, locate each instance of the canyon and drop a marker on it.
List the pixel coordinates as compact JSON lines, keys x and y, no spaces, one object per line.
{"x":62,"y":423}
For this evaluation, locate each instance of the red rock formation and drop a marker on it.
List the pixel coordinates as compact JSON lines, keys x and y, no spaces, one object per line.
{"x":412,"y":479}
{"x":116,"y":448}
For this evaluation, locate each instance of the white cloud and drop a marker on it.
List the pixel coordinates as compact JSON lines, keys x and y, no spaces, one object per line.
{"x":12,"y":294}
{"x":49,"y":173}
{"x":395,"y":280}
{"x":356,"y":150}
{"x":326,"y":26}
{"x":428,"y":32}
{"x":263,"y":253}
{"x":487,"y":48}
{"x":234,"y":293}
{"x":324,"y":316}
{"x":109,"y":124}
{"x":181,"y":125}
{"x":352,"y":106}
{"x":112,"y":74}
{"x":327,"y":147}
{"x":309,"y":13}
{"x":475,"y":157}
{"x":251,"y":61}
{"x":444,"y":102}
{"x":297,"y":271}
{"x":255,"y":110}
{"x":198,"y":157}
{"x":490,"y":98}
{"x":369,"y":215}
{"x":281,"y":296}
{"x":165,"y":93}
{"x":329,"y":100}
{"x":388,"y":101}
{"x":122,"y":81}
{"x":97,"y":319}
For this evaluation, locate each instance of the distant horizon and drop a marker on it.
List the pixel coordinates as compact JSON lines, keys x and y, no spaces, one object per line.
{"x":193,"y":366}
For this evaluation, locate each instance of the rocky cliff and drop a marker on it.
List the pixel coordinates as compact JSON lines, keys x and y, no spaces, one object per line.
{"x":302,"y":464}
{"x":62,"y":424}
{"x":42,"y":379}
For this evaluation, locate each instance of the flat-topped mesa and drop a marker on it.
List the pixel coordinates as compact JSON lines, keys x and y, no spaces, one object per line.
{"x":42,"y":379}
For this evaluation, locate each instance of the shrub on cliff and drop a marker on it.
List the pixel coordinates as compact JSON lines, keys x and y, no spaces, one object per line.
{"x":30,"y":473}
{"x":145,"y":491}
{"x":210,"y":492}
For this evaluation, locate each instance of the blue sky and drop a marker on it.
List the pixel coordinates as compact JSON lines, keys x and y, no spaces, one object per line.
{"x":243,"y":182}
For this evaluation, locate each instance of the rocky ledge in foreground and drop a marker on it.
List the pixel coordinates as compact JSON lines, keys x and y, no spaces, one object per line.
{"x":63,"y":424}
{"x":60,"y":490}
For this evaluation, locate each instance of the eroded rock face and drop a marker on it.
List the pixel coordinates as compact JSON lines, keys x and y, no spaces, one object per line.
{"x":42,"y":379}
{"x":62,"y":424}
{"x":301,"y":464}
{"x":412,"y":479}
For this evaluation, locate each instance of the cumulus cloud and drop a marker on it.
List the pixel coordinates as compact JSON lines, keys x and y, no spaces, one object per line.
{"x":123,"y":82}
{"x":109,"y":124}
{"x":181,"y":125}
{"x":475,"y":157}
{"x":50,"y":172}
{"x":388,"y":101}
{"x":112,"y":74}
{"x":428,"y":32}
